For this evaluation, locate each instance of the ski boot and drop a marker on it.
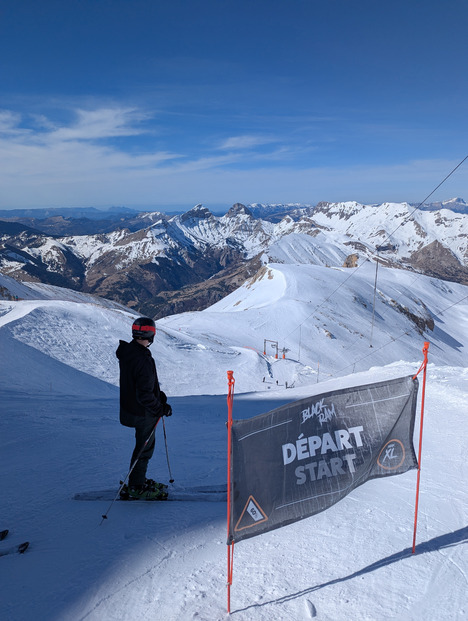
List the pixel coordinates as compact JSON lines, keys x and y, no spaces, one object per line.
{"x":144,"y":492}
{"x":150,"y":491}
{"x":154,"y":485}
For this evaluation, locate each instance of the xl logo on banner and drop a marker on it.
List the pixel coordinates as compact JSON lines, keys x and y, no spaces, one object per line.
{"x":392,"y":455}
{"x":303,"y":457}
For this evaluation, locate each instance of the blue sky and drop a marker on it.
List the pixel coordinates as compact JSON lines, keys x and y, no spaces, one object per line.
{"x":166,"y":104}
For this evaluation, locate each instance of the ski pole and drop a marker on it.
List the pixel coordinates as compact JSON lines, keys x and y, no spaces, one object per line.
{"x":171,"y":480}
{"x":104,"y":516}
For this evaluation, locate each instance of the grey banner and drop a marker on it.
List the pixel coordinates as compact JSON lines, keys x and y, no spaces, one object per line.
{"x":302,"y":458}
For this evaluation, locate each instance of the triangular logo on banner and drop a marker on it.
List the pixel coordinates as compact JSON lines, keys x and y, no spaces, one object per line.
{"x":251,"y":515}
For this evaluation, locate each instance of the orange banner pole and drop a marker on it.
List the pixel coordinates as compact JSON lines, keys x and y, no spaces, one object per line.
{"x":230,"y":549}
{"x":423,"y":397}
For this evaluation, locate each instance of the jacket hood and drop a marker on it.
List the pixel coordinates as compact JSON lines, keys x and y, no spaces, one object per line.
{"x":122,"y":349}
{"x":129,"y":350}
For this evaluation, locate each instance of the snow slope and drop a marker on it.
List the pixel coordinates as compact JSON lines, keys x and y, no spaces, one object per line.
{"x":59,"y":434}
{"x":323,"y":318}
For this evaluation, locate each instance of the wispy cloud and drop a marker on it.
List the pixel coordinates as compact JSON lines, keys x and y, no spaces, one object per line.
{"x":72,"y":163}
{"x":10,"y":124}
{"x":87,"y":161}
{"x":102,"y":123}
{"x":245,"y":142}
{"x":54,"y":164}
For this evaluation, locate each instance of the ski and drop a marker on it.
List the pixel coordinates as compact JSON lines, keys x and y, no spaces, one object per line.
{"x":203,"y":489}
{"x":3,"y":534}
{"x":192,"y":494}
{"x":18,"y":549}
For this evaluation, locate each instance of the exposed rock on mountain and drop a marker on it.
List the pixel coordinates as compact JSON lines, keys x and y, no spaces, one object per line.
{"x":351,"y":260}
{"x":203,"y":294}
{"x":438,"y":261}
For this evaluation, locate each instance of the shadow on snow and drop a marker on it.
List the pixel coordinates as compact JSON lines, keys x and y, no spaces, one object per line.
{"x":437,"y":543}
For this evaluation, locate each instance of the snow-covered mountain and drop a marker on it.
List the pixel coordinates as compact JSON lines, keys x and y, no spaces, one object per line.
{"x":144,"y":268}
{"x":454,"y":204}
{"x":59,"y":434}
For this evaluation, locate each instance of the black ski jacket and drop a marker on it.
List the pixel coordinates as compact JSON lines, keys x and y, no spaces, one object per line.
{"x":140,"y":394}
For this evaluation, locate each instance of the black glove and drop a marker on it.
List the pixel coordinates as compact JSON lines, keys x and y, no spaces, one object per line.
{"x":162,"y":397}
{"x":167,"y":410}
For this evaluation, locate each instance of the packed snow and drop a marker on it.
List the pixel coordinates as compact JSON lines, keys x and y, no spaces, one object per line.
{"x":60,"y":435}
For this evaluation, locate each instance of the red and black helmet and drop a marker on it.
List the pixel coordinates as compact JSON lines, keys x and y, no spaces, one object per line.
{"x":144,"y":328}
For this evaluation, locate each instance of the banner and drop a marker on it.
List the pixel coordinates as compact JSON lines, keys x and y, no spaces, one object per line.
{"x":303,"y":457}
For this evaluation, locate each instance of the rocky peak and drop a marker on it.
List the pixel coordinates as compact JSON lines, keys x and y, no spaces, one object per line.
{"x":238,"y":209}
{"x":199,"y":212}
{"x":345,"y":210}
{"x":322,"y":206}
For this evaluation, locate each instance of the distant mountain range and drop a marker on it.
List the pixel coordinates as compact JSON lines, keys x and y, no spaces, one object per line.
{"x":454,"y":204}
{"x":90,"y":220}
{"x":161,"y":264}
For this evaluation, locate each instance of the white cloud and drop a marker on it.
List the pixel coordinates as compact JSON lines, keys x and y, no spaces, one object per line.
{"x":73,"y":151}
{"x":245,"y":142}
{"x":76,"y":164}
{"x":102,"y":123}
{"x":10,"y":124}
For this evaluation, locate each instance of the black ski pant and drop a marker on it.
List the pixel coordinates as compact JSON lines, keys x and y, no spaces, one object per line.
{"x":144,"y":429}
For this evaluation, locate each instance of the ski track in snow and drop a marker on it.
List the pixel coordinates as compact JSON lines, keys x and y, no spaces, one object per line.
{"x":59,"y":435}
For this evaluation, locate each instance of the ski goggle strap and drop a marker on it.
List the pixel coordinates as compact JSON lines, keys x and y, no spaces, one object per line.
{"x":138,"y":328}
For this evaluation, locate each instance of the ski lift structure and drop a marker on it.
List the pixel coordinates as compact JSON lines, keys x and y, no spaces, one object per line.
{"x":274,"y":345}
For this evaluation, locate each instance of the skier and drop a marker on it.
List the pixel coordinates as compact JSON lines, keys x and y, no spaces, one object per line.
{"x":142,"y":403}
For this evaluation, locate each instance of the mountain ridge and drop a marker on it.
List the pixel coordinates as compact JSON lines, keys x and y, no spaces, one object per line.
{"x":163,"y":264}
